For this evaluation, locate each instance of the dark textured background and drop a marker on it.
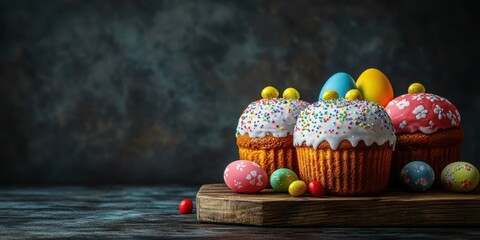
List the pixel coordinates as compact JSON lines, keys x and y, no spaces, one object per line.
{"x":151,"y":91}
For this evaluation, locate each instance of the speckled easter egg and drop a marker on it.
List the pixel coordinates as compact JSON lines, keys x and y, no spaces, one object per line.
{"x":244,"y":176}
{"x":375,"y":86}
{"x":339,"y":82}
{"x":460,"y":177}
{"x":281,"y":179}
{"x":297,"y":188}
{"x":417,"y":176}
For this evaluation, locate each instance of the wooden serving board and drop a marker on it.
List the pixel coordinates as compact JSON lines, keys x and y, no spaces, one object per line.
{"x":216,"y":203}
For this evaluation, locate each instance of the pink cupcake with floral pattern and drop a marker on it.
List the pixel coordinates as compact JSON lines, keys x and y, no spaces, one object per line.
{"x":427,"y":127}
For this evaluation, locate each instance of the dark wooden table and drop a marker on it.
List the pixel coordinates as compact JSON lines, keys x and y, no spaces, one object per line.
{"x":118,"y":212}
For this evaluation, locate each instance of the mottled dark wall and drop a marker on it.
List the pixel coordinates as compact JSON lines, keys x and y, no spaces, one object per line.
{"x":151,"y":91}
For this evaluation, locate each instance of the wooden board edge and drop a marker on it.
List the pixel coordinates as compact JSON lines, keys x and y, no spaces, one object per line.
{"x":438,"y":213}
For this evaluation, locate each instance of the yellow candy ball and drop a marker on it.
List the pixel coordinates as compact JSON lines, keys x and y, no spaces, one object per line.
{"x":291,"y":93}
{"x":330,"y":95}
{"x":416,"y":88}
{"x":269,"y":92}
{"x":297,"y":188}
{"x":354,"y":94}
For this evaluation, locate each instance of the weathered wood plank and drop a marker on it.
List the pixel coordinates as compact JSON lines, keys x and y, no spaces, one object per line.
{"x":437,"y":207}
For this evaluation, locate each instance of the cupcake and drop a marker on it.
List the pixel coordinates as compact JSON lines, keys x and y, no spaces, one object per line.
{"x":346,"y":145}
{"x":427,"y":128}
{"x":265,"y":130}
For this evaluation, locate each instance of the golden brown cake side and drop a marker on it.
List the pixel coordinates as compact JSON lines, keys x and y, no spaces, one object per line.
{"x":269,"y":152}
{"x":348,"y":170}
{"x":267,"y":142}
{"x":437,"y":149}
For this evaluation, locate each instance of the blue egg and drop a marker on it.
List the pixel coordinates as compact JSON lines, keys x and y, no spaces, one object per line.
{"x":417,"y":176}
{"x":339,"y":82}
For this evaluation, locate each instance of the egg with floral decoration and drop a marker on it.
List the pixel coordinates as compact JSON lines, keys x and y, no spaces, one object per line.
{"x":417,"y":176}
{"x":375,"y":86}
{"x":243,"y":176}
{"x":340,"y":82}
{"x":281,"y":179}
{"x":460,"y":177}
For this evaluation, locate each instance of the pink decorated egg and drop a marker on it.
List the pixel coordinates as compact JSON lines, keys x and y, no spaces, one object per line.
{"x":244,"y":176}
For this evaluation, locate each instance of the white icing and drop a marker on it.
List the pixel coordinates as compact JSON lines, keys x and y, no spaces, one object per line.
{"x":276,"y":116}
{"x":340,"y":119}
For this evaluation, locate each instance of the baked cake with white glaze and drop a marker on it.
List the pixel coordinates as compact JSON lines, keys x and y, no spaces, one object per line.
{"x":346,"y":145}
{"x":265,"y":133}
{"x":428,"y":129}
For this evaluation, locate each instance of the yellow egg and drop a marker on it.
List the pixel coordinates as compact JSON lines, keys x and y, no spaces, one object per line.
{"x":291,"y":93}
{"x":460,"y":177}
{"x":330,"y":95}
{"x":297,"y":188}
{"x":416,"y":88}
{"x":269,"y":92}
{"x":375,"y":86}
{"x":354,"y":94}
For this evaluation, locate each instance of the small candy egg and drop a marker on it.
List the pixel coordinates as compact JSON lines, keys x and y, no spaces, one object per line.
{"x":375,"y":86}
{"x":339,"y":82}
{"x":460,"y":177}
{"x":186,"y":206}
{"x":316,"y":189}
{"x":244,"y":176}
{"x":297,"y":188}
{"x":269,"y":92}
{"x":330,"y":95}
{"x":417,"y":176}
{"x":416,"y":88}
{"x":291,"y":93}
{"x":281,"y":179}
{"x":354,"y":94}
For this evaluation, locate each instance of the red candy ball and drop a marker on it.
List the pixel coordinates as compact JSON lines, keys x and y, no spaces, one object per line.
{"x":186,"y":206}
{"x":316,"y":189}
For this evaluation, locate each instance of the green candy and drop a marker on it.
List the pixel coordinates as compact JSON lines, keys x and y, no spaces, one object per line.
{"x":281,"y":178}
